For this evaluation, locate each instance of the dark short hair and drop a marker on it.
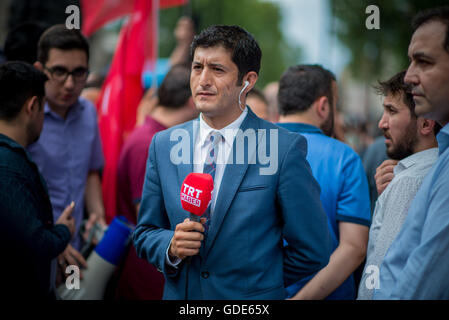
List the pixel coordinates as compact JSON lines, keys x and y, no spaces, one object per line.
{"x":59,"y":37}
{"x":174,"y":91}
{"x":21,"y":42}
{"x":440,"y":14}
{"x":245,"y":52}
{"x":396,"y":86}
{"x":19,"y":81}
{"x":300,"y":86}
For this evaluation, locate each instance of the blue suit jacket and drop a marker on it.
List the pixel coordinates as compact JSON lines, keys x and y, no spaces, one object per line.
{"x":243,"y":255}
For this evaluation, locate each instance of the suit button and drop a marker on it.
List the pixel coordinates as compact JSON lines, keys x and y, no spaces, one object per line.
{"x":205,"y":274}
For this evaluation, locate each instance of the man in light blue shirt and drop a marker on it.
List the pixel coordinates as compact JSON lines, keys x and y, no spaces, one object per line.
{"x":416,"y":265}
{"x":69,"y":153}
{"x":307,"y":101}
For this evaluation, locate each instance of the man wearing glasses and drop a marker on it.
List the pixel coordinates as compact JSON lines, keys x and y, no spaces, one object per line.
{"x":69,"y":153}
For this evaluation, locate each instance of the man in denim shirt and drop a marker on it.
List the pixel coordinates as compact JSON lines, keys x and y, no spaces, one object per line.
{"x":415,"y":266}
{"x":29,"y":240}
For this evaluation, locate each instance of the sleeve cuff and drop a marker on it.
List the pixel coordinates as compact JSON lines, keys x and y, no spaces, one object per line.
{"x":355,"y":220}
{"x":175,"y":263}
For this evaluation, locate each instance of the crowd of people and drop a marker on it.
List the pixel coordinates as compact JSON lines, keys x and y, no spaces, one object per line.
{"x":314,"y":222}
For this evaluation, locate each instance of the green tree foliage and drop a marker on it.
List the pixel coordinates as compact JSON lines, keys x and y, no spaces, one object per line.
{"x":377,"y":53}
{"x":262,"y":19}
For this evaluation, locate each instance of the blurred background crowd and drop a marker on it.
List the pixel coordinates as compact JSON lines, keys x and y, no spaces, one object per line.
{"x":328,"y":32}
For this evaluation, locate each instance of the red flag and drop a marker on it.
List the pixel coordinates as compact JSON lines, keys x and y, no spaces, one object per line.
{"x":121,"y":93}
{"x":171,"y":3}
{"x":123,"y":90}
{"x":99,"y":12}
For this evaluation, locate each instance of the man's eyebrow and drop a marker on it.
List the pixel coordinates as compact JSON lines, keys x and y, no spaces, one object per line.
{"x":420,"y":55}
{"x":65,"y":68}
{"x":217,"y":65}
{"x":389,"y":106}
{"x":211,"y":64}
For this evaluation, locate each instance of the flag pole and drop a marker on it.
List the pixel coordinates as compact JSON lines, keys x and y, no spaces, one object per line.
{"x":155,"y":47}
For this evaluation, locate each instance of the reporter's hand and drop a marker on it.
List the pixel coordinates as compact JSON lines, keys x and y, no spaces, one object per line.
{"x":66,"y":218}
{"x":384,"y":175}
{"x":187,"y":239}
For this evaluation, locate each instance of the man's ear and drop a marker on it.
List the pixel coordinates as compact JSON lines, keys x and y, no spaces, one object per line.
{"x":251,"y":77}
{"x":32,"y":105}
{"x":38,"y":66}
{"x":425,"y":126}
{"x":322,"y":108}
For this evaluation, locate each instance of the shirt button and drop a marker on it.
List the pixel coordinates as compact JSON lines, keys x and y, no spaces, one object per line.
{"x":205,"y":274}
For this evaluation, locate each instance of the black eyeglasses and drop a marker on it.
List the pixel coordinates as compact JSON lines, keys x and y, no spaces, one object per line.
{"x":60,"y":74}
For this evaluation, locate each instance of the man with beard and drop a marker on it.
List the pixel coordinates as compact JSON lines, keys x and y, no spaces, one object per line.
{"x":411,"y":140}
{"x":415,"y":266}
{"x":29,"y":240}
{"x":307,"y":102}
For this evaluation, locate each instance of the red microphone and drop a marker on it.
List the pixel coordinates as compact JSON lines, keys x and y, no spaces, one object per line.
{"x":196,"y":193}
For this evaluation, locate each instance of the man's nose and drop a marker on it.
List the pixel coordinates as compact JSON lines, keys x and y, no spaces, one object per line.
{"x":383,"y":123}
{"x":205,"y":80}
{"x":411,"y":76}
{"x":69,"y":81}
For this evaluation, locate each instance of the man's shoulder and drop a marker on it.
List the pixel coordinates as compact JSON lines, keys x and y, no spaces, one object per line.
{"x":13,"y":162}
{"x":140,"y":138}
{"x":332,"y":149}
{"x":9,"y":155}
{"x":88,"y":109}
{"x":339,"y":146}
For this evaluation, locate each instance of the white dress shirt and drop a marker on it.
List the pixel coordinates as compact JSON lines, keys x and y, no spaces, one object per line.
{"x":202,"y":145}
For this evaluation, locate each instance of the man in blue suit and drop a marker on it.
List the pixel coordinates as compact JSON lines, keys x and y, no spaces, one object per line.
{"x":258,"y":199}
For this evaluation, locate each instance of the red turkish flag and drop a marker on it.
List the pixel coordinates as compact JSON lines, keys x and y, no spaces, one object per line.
{"x":123,"y":89}
{"x":96,"y":13}
{"x":99,"y":12}
{"x":122,"y":92}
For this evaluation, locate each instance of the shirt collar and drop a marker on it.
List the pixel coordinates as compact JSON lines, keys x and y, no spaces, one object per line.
{"x":422,"y":156}
{"x":443,"y":138}
{"x":227,"y":132}
{"x":74,"y":111}
{"x":13,"y":145}
{"x":300,"y":127}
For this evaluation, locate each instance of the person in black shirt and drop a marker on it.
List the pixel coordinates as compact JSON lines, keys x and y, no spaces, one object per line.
{"x":29,"y":239}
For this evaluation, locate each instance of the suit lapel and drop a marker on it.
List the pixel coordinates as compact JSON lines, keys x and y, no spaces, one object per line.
{"x":232,"y":178}
{"x":185,"y":168}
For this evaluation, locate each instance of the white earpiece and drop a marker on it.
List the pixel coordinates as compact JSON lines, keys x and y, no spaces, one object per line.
{"x":243,"y":89}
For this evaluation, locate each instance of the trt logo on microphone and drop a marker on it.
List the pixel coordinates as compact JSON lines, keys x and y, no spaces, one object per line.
{"x":196,"y":192}
{"x":191,"y":195}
